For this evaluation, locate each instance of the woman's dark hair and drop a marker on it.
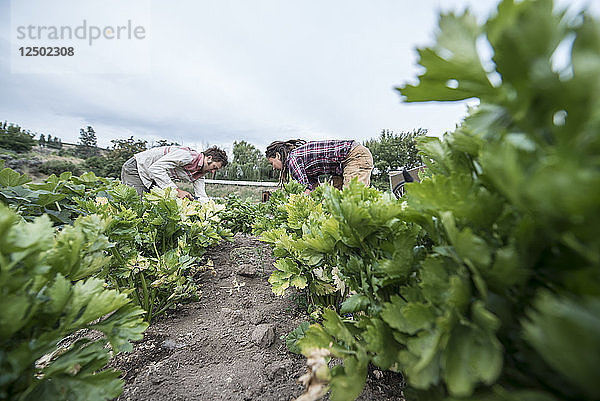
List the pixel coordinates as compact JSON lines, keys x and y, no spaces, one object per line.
{"x":283,"y":148}
{"x":218,"y":155}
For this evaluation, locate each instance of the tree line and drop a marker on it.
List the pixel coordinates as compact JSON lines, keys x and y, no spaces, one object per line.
{"x":391,"y":151}
{"x":15,"y":138}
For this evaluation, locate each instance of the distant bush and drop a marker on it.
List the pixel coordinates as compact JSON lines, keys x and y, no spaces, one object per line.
{"x":4,"y":151}
{"x":67,"y":152}
{"x":60,"y":166}
{"x":103,"y":166}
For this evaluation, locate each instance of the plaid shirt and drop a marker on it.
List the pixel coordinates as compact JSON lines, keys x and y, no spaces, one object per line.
{"x":312,"y":159}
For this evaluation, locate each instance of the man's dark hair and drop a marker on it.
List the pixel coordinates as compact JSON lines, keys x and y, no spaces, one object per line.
{"x":283,"y":148}
{"x":218,"y":155}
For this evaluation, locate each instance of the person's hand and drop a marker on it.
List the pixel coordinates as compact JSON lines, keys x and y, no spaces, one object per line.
{"x":307,"y":191}
{"x":184,"y":194}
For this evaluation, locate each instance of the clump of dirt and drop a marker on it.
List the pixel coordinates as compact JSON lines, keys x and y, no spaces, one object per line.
{"x":231,"y":344}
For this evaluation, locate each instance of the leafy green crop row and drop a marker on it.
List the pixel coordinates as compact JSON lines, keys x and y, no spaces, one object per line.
{"x":48,"y":293}
{"x":239,"y":215}
{"x":111,"y":261}
{"x":301,"y":249}
{"x":54,"y":197}
{"x":159,"y":243}
{"x":483,"y":282}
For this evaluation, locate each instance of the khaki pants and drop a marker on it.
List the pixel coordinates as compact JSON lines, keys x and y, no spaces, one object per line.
{"x":359,"y":164}
{"x":130,"y":176}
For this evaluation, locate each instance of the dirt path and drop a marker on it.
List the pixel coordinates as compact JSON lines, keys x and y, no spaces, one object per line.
{"x":229,"y":345}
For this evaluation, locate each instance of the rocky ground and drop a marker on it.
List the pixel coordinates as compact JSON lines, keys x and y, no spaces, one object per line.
{"x":231,"y":344}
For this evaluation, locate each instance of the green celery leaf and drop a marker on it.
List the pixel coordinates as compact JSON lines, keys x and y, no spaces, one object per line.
{"x":471,"y":356}
{"x":354,"y":304}
{"x":347,"y":384}
{"x":333,"y":324}
{"x":566,"y":334}
{"x":124,"y":325}
{"x":279,"y":282}
{"x":291,"y":340}
{"x":90,"y":301}
{"x":315,"y":337}
{"x":407,"y":317}
{"x":454,"y":57}
{"x":423,"y":363}
{"x":11,"y":178}
{"x":299,"y":282}
{"x":380,"y":341}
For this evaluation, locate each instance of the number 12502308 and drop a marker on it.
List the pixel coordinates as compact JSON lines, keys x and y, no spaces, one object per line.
{"x":46,"y":51}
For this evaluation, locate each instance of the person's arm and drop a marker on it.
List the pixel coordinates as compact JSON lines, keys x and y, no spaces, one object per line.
{"x":298,"y":171}
{"x":200,"y":190}
{"x":159,"y":169}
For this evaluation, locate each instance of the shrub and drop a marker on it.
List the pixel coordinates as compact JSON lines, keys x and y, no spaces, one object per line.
{"x":60,"y":166}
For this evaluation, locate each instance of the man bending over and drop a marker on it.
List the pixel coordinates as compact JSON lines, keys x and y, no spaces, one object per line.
{"x":162,"y":165}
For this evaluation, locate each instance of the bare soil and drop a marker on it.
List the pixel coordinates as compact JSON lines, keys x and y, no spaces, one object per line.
{"x":231,"y":344}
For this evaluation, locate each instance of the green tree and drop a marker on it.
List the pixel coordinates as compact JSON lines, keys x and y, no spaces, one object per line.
{"x":14,"y":138}
{"x":110,"y":164}
{"x":125,"y":148}
{"x":164,"y":142}
{"x":88,"y":143}
{"x":245,"y":153}
{"x":42,"y":140}
{"x":56,"y":143}
{"x":53,"y":142}
{"x":248,"y":164}
{"x":392,"y":151}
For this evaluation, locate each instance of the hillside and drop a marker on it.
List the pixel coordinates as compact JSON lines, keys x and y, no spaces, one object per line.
{"x":35,"y":163}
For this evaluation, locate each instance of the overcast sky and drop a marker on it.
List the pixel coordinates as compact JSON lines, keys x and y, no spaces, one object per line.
{"x":223,"y":70}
